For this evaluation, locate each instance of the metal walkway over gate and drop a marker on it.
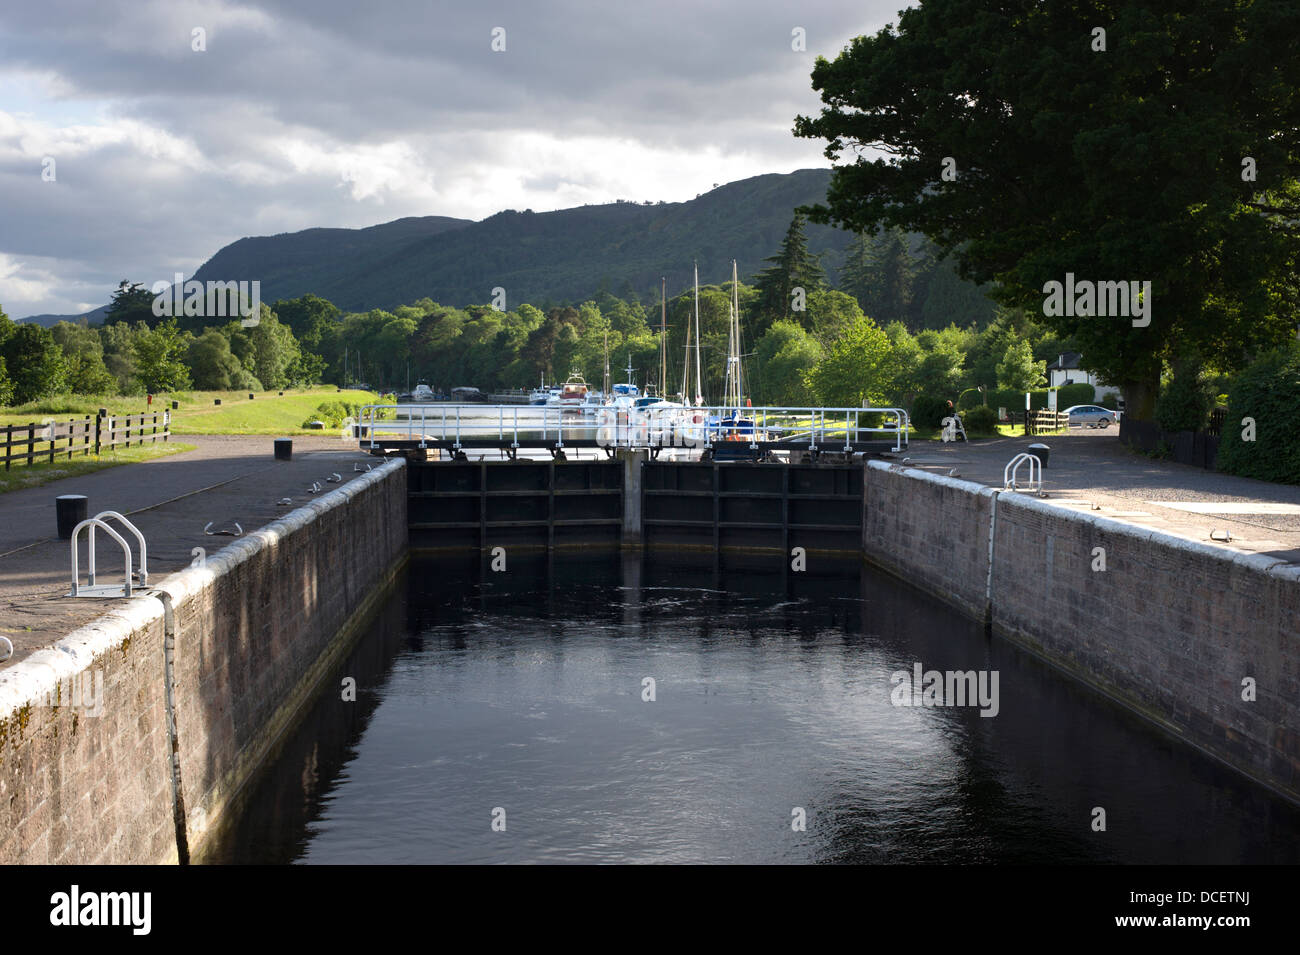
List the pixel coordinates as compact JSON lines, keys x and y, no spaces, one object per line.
{"x":716,"y":432}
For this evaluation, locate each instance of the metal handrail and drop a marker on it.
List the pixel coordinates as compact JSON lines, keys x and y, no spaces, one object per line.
{"x":631,"y":428}
{"x":144,"y":547}
{"x":1011,"y":472}
{"x":126,"y":551}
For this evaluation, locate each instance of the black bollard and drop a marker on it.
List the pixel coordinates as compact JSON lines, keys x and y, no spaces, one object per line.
{"x":216,"y":401}
{"x":250,"y":396}
{"x":283,"y":449}
{"x":175,"y":405}
{"x":1040,"y":451}
{"x":70,"y":510}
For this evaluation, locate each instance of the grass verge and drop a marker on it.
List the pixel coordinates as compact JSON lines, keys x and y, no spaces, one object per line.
{"x":267,"y":413}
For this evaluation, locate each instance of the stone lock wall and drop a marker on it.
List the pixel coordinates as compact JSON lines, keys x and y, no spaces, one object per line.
{"x":1171,"y":628}
{"x":253,"y":630}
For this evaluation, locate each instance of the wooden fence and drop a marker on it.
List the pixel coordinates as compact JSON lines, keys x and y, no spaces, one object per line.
{"x":1048,"y":422}
{"x":36,"y":443}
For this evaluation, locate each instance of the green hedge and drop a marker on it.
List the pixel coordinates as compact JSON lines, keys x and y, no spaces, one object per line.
{"x":1014,"y":401}
{"x":928,"y":411}
{"x":980,"y":420}
{"x":1269,"y":392}
{"x":1070,"y":395}
{"x":1183,"y":405}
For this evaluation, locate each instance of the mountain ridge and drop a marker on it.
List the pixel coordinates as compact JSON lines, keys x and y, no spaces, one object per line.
{"x":566,"y":255}
{"x":558,"y":257}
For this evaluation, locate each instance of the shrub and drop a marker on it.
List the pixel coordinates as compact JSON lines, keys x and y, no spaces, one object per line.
{"x":928,"y":411}
{"x":980,"y":420}
{"x":334,"y":413}
{"x":244,"y":380}
{"x":1269,"y":392}
{"x":1183,"y":405}
{"x":1070,"y":395}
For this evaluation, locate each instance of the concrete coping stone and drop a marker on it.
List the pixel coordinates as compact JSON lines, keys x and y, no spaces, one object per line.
{"x":36,"y":677}
{"x":1259,"y":563}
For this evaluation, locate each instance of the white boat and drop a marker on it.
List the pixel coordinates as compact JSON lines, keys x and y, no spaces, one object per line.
{"x":421,"y":395}
{"x":539,"y":395}
{"x":573,"y":394}
{"x":623,"y":396}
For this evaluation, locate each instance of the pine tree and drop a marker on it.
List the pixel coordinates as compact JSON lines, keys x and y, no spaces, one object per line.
{"x":131,"y":303}
{"x":881,"y":274}
{"x":793,"y":267}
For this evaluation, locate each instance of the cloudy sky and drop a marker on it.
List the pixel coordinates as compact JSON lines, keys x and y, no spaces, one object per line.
{"x":340,"y":113}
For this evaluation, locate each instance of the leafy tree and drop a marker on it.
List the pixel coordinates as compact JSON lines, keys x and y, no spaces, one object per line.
{"x":158,"y":353}
{"x":34,"y":362}
{"x":793,"y":267}
{"x":132,"y":302}
{"x":1263,"y":406}
{"x":87,"y":375}
{"x":785,"y":355}
{"x":312,"y":319}
{"x":306,"y":369}
{"x":7,"y":328}
{"x":856,"y":369}
{"x":84,"y":355}
{"x":830,"y":312}
{"x":212,"y":365}
{"x":118,"y":341}
{"x":1115,"y":166}
{"x":906,"y":357}
{"x":990,"y":344}
{"x":940,"y":368}
{"x":274,"y":350}
{"x":1018,"y":370}
{"x":1184,"y":403}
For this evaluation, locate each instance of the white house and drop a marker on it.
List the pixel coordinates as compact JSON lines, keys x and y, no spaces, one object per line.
{"x":1068,"y":370}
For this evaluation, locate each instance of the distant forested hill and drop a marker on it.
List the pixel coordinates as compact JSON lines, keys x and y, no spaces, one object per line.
{"x":563,"y":256}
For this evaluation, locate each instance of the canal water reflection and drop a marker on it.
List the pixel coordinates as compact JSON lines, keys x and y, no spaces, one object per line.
{"x":522,"y":697}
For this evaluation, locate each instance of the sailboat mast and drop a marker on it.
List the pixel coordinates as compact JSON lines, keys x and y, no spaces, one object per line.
{"x":734,"y":388}
{"x":699,"y":382}
{"x":686,"y":366}
{"x":735,"y":310}
{"x":663,"y":337}
{"x":605,"y":384}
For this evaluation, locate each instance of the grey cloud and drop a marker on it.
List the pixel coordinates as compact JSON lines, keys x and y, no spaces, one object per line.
{"x":340,"y":76}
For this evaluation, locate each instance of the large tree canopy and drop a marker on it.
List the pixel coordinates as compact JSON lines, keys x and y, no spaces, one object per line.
{"x":1122,"y":163}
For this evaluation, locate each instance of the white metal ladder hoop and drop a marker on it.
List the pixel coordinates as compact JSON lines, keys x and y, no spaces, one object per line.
{"x":126,"y":553}
{"x":1011,"y":472}
{"x":144,"y":548}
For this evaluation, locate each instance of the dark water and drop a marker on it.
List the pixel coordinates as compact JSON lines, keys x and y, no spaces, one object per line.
{"x":523,"y":692}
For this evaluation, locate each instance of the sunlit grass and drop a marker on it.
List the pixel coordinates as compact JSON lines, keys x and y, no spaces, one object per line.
{"x":267,"y":413}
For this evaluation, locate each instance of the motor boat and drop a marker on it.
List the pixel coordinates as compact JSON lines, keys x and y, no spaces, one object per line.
{"x":573,"y":394}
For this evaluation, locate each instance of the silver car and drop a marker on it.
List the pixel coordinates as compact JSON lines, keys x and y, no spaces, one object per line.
{"x":1090,"y":416}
